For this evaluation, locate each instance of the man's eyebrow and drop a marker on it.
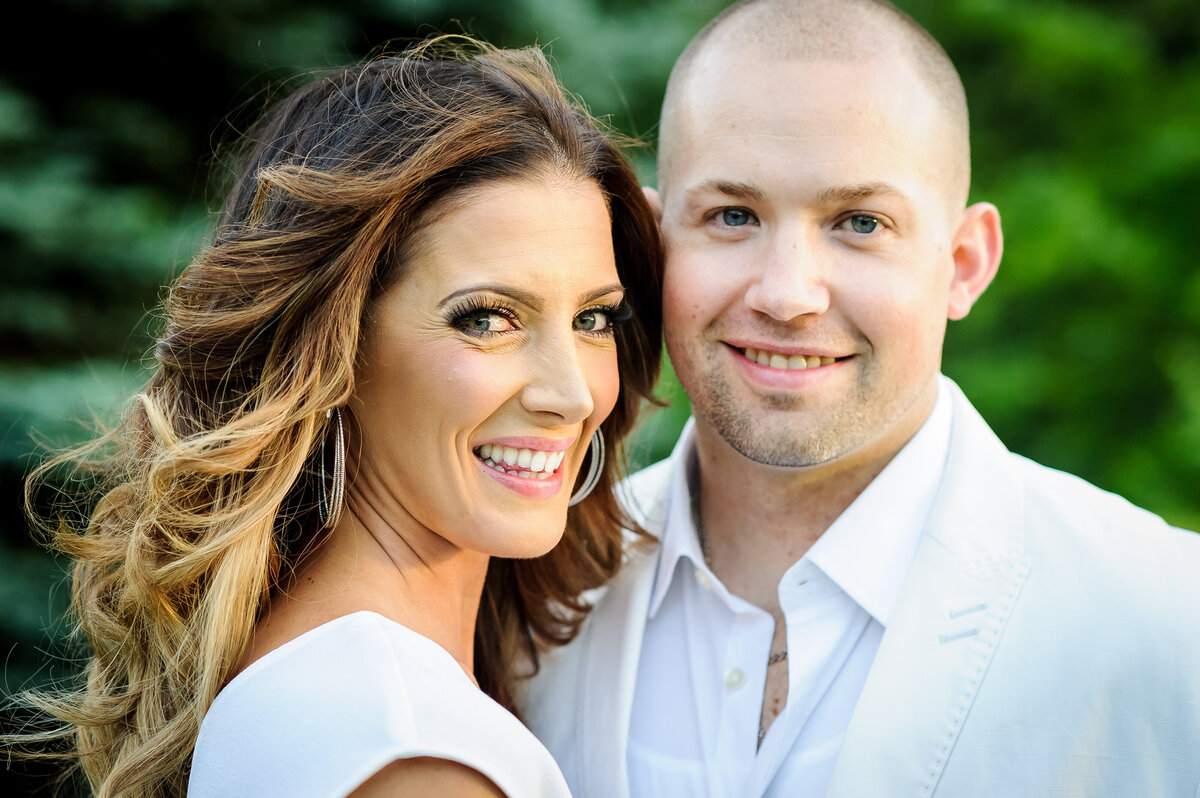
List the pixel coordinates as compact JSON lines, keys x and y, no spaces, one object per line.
{"x":844,"y":194}
{"x":830,"y":196}
{"x":729,"y":188}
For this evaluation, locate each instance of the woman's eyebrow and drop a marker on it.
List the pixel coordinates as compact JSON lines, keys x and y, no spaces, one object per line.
{"x":592,"y":296}
{"x":526,"y":298}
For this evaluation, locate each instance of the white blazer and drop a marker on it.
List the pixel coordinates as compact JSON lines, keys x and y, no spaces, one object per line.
{"x":1046,"y":643}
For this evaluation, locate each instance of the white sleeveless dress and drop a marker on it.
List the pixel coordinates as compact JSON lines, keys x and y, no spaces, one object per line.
{"x":321,"y":714}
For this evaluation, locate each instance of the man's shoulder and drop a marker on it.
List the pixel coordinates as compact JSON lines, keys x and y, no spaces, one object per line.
{"x":1062,"y":520}
{"x":1075,"y":531}
{"x":1046,"y":491}
{"x":1056,"y":499}
{"x":1088,"y":527}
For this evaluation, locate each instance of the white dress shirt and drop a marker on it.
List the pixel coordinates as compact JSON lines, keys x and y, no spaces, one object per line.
{"x":702,"y":672}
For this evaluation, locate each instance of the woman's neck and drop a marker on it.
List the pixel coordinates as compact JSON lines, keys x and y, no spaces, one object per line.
{"x":394,"y":567}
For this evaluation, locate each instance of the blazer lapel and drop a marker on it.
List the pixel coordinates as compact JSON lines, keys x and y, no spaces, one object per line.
{"x":962,"y":585}
{"x":614,"y":636}
{"x":609,"y":672}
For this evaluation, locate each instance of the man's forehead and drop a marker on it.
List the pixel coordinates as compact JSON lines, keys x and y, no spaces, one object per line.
{"x":746,"y":94}
{"x":786,"y":44}
{"x":863,"y":120}
{"x":719,"y":74}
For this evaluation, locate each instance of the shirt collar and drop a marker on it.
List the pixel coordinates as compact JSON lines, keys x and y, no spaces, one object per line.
{"x":678,"y":540}
{"x":868,"y":549}
{"x":866,"y":559}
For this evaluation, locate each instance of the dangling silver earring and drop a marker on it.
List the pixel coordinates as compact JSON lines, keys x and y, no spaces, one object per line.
{"x":329,"y":506}
{"x":594,"y":469}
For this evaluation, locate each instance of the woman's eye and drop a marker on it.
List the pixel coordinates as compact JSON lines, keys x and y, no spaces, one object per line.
{"x":863,"y":224}
{"x":736,"y":217}
{"x":487,"y":322}
{"x":592,"y":321}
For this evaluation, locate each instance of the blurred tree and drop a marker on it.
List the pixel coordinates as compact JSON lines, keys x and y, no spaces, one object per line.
{"x":1085,"y":353}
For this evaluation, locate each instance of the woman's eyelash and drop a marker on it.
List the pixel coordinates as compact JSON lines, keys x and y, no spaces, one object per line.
{"x":464,"y":312}
{"x":616,"y":315}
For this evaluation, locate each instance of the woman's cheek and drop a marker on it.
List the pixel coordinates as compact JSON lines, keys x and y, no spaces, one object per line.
{"x":606,"y":386}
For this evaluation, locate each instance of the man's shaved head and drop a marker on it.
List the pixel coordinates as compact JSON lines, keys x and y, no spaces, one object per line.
{"x":825,"y":30}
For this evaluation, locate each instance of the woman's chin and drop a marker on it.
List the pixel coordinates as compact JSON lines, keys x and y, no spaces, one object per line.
{"x":532,"y":541}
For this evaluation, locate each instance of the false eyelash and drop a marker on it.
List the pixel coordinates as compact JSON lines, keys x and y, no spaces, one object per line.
{"x":618,"y":314}
{"x":473,"y":306}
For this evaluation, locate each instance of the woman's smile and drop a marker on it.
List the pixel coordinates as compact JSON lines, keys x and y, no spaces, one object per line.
{"x":537,"y":461}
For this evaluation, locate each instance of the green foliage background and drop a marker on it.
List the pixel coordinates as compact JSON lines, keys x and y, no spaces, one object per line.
{"x":1085,"y":353}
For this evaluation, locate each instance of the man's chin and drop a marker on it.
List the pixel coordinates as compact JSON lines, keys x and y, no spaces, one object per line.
{"x":778,"y":442}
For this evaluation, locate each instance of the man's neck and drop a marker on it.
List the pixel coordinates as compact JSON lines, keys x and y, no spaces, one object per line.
{"x":758,"y":519}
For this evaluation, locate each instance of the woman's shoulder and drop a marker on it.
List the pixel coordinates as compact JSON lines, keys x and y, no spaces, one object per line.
{"x":323,"y":712}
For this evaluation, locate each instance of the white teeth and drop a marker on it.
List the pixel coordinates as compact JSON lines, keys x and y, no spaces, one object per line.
{"x":784,"y":362}
{"x":524,"y":463}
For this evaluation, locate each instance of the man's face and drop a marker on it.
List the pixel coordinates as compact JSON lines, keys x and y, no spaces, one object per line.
{"x":810,"y":223}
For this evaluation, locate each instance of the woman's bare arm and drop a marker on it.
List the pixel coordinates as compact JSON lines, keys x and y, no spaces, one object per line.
{"x":427,"y":776}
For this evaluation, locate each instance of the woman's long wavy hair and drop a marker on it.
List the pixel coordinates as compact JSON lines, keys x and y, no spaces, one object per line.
{"x":206,"y":495}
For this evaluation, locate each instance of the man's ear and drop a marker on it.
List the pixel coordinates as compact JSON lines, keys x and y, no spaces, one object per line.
{"x":652,"y":196}
{"x":978,"y":244}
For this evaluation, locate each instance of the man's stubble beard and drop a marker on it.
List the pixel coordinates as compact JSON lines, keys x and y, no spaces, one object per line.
{"x":785,"y":431}
{"x":763,"y":440}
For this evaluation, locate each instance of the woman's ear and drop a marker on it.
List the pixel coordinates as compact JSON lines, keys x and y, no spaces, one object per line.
{"x":978,"y":244}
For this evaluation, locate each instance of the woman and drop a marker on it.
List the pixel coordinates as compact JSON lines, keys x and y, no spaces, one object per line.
{"x":431,"y":297}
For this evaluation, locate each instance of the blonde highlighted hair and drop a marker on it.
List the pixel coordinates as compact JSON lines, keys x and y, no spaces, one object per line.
{"x":207,"y":490}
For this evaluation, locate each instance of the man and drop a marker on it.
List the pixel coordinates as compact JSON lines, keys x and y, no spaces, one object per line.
{"x":858,"y":591}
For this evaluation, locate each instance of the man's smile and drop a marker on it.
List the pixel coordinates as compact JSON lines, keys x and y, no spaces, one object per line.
{"x":781,"y":360}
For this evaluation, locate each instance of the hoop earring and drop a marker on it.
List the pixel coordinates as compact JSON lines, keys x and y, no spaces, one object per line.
{"x":329,"y":504}
{"x":595,"y":468}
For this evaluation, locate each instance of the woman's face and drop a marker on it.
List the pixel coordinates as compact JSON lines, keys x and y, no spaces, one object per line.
{"x":488,"y":366}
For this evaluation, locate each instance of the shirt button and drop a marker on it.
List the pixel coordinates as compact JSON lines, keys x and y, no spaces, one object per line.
{"x":734,"y":678}
{"x":703,"y":580}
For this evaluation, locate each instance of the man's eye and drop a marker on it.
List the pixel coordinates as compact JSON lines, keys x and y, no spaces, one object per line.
{"x":861,"y":223}
{"x":736,"y":217}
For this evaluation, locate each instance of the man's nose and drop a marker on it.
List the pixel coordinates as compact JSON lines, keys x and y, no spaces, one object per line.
{"x":557,"y":381}
{"x":792,"y":278}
